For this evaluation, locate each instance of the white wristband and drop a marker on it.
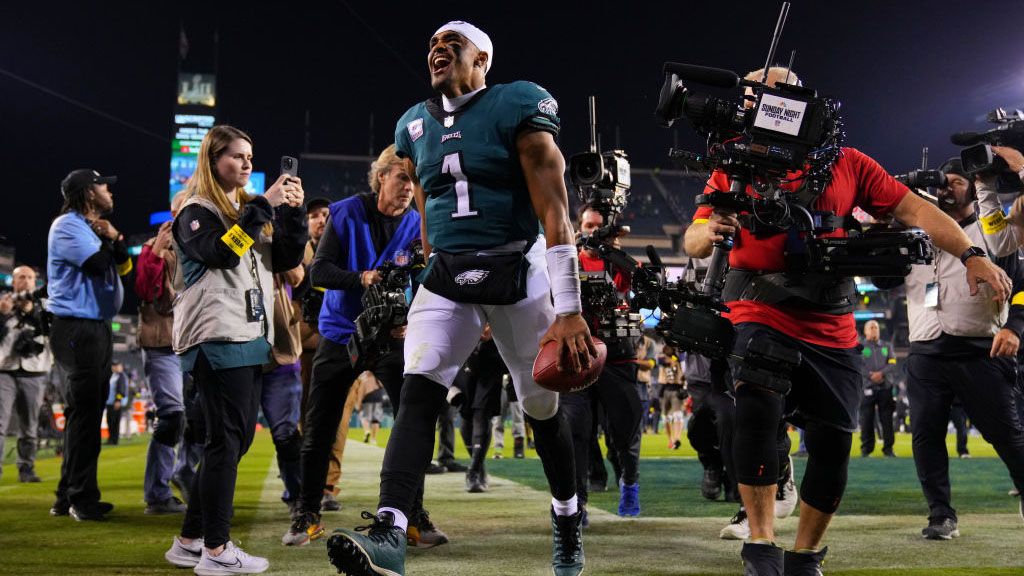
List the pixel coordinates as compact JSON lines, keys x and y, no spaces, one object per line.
{"x":563,"y":270}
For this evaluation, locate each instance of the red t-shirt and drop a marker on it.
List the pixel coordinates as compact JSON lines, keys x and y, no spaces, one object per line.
{"x":590,"y":263}
{"x":857,"y":181}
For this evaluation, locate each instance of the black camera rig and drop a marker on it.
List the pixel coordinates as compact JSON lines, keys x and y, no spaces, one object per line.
{"x":385,"y":307}
{"x":788,"y":136}
{"x":978,"y":157}
{"x":602,"y":181}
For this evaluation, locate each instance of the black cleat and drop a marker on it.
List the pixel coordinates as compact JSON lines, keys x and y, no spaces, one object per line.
{"x":475,"y":482}
{"x":804,"y":563}
{"x":711,"y":484}
{"x":762,"y":559}
{"x":941,"y":529}
{"x":567,"y":558}
{"x":379,"y":552}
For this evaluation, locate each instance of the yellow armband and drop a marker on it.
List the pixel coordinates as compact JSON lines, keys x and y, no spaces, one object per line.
{"x":1018,"y":299}
{"x":993,"y":223}
{"x":237,"y":240}
{"x":124,"y":267}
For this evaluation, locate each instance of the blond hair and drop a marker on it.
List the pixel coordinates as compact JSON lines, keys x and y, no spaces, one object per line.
{"x":203,"y":182}
{"x":382,"y":165}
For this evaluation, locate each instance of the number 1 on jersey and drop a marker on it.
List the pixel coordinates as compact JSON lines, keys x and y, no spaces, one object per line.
{"x":452,"y":164}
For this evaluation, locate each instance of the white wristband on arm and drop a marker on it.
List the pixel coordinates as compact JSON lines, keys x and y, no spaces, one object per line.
{"x":563,"y":270}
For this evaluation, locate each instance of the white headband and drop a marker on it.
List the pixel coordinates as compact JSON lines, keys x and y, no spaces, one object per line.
{"x":475,"y":35}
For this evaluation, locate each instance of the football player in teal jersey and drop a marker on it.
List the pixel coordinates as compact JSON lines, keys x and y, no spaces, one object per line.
{"x":490,"y":175}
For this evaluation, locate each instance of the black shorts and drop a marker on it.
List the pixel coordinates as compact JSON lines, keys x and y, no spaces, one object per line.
{"x":826,"y":385}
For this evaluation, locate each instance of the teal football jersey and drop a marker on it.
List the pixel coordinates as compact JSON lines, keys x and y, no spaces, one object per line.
{"x":468,"y":164}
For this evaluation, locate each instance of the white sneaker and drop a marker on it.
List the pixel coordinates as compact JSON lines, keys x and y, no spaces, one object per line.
{"x":786,"y":496}
{"x":185,"y":555}
{"x":233,"y":560}
{"x":738,"y":528}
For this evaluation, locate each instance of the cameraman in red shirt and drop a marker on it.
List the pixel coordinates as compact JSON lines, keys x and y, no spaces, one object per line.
{"x":826,"y":385}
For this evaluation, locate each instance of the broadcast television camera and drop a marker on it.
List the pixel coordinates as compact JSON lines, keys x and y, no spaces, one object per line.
{"x":783,"y":148}
{"x":978,"y":157}
{"x":602,"y":181}
{"x":385,"y":307}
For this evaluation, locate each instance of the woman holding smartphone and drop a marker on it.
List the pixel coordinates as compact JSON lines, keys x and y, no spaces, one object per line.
{"x":229,"y":245}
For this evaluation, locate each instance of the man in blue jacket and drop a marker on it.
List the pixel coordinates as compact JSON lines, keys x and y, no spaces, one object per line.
{"x":363,"y":232}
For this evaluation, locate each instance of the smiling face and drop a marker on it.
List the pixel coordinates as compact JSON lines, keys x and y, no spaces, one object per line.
{"x":456,"y":65}
{"x":234,"y":165}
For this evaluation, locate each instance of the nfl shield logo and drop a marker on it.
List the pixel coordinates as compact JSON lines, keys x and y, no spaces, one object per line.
{"x":449,"y":121}
{"x":415,"y":129}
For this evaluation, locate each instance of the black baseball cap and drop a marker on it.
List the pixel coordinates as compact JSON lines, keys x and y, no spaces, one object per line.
{"x":317,"y":203}
{"x":954,"y":166}
{"x":82,"y":178}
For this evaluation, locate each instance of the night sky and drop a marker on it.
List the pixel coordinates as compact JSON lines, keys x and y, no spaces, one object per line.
{"x":908,"y":75}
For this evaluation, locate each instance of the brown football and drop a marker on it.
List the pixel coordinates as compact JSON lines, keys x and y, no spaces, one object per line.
{"x":546,"y":373}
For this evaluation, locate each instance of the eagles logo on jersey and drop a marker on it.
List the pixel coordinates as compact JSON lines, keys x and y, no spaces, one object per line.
{"x":469,"y":168}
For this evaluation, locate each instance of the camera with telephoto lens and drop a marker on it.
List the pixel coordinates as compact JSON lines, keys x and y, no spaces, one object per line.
{"x":978,"y":157}
{"x":922,"y":179}
{"x":32,"y":325}
{"x":385,"y":307}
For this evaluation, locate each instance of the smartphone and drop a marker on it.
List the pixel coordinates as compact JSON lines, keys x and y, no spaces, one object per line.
{"x":289,"y":166}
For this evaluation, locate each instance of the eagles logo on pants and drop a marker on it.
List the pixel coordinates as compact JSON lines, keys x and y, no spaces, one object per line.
{"x":442,"y":334}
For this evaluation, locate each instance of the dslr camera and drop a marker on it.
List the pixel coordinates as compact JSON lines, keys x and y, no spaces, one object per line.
{"x":385,"y":307}
{"x":978,"y":158}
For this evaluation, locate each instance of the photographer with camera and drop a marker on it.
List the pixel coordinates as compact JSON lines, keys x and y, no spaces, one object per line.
{"x":963,"y":343}
{"x":86,"y":258}
{"x":616,"y":389}
{"x":25,"y":361}
{"x":363,"y":232}
{"x":824,"y":389}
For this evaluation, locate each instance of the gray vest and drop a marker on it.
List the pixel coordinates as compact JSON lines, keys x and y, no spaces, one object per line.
{"x":213,"y":309}
{"x":958,"y":313}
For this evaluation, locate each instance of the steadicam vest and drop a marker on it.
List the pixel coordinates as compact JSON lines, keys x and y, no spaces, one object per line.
{"x":213,"y":309}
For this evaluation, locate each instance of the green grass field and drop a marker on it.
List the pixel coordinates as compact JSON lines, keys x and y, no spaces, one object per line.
{"x":506,"y":530}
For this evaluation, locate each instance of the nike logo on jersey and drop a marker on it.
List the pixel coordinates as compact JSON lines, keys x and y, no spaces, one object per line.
{"x":415,"y":129}
{"x":471,"y":277}
{"x":453,"y":135}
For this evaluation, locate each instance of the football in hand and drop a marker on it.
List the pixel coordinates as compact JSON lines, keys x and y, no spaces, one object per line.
{"x":546,"y":373}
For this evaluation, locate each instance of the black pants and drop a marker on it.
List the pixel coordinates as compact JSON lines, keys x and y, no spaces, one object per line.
{"x":701,"y":429}
{"x":483,"y":402}
{"x":446,"y":435}
{"x":958,"y":416}
{"x":114,"y":424}
{"x":83,"y":349}
{"x":332,"y":377}
{"x":230,"y":398}
{"x":617,"y":392}
{"x":879,"y":399}
{"x":986,"y":388}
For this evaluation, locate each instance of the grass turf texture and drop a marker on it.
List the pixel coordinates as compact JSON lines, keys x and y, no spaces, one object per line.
{"x":506,"y":531}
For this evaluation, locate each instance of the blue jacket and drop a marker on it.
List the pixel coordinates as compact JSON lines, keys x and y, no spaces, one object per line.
{"x":348,"y":220}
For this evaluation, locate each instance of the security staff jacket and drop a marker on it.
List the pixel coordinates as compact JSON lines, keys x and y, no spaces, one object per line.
{"x":877,"y":357}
